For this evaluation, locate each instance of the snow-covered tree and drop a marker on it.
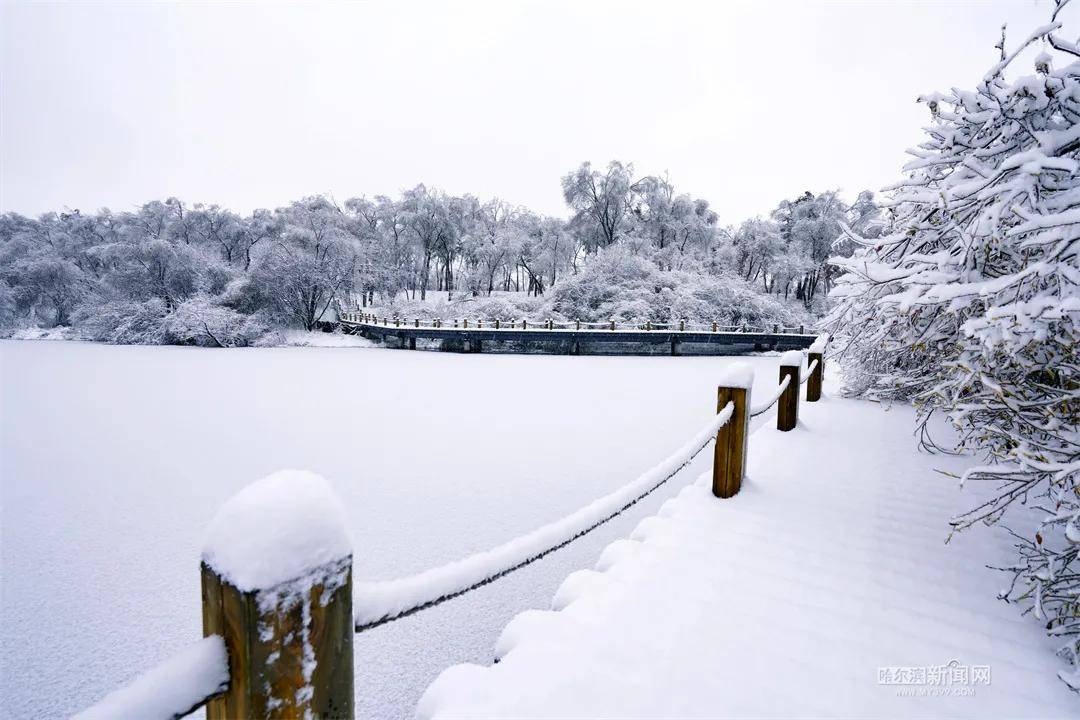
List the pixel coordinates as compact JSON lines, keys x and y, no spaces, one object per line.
{"x":600,"y":201}
{"x":969,"y":302}
{"x":311,"y":265}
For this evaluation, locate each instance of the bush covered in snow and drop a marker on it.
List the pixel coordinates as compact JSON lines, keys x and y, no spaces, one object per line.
{"x":969,"y":303}
{"x":123,"y":322}
{"x":619,"y":283}
{"x":501,"y":305}
{"x":200,"y":321}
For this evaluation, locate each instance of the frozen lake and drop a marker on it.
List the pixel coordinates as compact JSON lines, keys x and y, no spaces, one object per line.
{"x":113,"y":460}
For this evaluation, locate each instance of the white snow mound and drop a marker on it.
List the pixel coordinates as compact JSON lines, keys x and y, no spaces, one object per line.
{"x":276,"y":529}
{"x":792,"y":358}
{"x":737,"y":375}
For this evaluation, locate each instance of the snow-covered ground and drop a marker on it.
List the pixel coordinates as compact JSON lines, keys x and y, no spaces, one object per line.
{"x":822,"y":590}
{"x":113,"y":461}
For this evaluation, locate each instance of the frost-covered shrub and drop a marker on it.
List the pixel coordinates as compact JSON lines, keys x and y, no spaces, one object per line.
{"x":969,"y":303}
{"x":201,"y":321}
{"x":243,"y":296}
{"x":504,"y":306}
{"x":123,"y":322}
{"x":620,"y":284}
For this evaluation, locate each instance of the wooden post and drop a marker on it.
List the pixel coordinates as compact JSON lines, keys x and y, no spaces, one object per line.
{"x":397,"y":322}
{"x":648,"y":325}
{"x":613,"y":325}
{"x":802,"y":329}
{"x":787,"y":408}
{"x":577,"y":324}
{"x":524,"y":324}
{"x":465,"y":323}
{"x":729,"y":452}
{"x":714,"y":326}
{"x":682,"y":325}
{"x":290,"y":645}
{"x":417,"y":322}
{"x":479,"y":324}
{"x":813,"y":383}
{"x":776,"y":329}
{"x":496,"y":323}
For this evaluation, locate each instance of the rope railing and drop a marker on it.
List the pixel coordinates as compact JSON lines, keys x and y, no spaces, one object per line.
{"x":764,"y":407}
{"x":810,"y":371}
{"x":175,"y":688}
{"x":379,"y":602}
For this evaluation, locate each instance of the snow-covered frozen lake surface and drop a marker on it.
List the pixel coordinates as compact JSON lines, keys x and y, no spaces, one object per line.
{"x":114,"y":459}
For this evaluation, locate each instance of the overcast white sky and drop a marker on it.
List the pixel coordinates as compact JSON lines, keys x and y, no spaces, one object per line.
{"x":254,"y":105}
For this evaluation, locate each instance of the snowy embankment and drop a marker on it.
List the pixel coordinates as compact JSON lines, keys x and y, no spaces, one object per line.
{"x":299,"y":338}
{"x":824,"y":588}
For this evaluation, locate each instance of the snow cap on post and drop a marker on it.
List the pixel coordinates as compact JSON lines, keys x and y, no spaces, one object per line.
{"x":818,"y":346}
{"x":792,"y":358}
{"x":277,"y":586}
{"x":737,"y":375}
{"x":277,"y":529}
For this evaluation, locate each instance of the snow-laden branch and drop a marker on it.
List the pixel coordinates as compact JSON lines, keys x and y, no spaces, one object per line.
{"x":379,"y":602}
{"x":970,"y":305}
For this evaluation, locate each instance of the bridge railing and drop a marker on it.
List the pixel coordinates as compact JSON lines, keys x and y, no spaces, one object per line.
{"x":464,"y":323}
{"x":279,"y":606}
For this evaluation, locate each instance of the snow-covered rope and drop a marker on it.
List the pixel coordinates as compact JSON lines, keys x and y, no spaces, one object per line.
{"x":809,"y":371}
{"x":756,"y":410}
{"x":379,"y":602}
{"x":173,"y":689}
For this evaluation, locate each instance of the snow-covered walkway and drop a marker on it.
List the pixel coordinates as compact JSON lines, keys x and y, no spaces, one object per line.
{"x":824,"y":588}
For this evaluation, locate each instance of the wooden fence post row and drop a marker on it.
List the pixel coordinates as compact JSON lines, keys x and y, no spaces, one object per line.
{"x":729,"y":452}
{"x":787,"y":410}
{"x":278,"y":588}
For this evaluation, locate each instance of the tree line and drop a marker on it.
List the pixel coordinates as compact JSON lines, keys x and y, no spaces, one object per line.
{"x":169,"y":271}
